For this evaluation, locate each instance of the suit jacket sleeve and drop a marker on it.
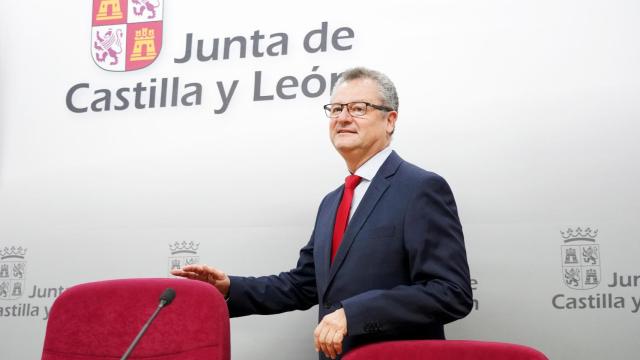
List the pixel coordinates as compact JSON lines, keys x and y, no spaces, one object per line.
{"x":292,"y":290}
{"x":440,"y":289}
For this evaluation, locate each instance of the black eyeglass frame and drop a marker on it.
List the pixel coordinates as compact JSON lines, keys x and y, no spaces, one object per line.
{"x":327,"y":108}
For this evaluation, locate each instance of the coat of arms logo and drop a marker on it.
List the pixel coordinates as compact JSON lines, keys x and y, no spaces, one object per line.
{"x":580,"y":256}
{"x":12,"y":272}
{"x":126,"y":34}
{"x":183,"y":253}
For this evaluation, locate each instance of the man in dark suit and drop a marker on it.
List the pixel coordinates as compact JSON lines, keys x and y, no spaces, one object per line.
{"x":386,"y":259}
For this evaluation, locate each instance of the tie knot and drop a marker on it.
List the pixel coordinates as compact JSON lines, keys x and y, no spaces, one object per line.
{"x":352,"y":181}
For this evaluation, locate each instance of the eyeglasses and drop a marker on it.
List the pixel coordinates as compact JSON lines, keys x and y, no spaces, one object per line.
{"x":358,"y":108}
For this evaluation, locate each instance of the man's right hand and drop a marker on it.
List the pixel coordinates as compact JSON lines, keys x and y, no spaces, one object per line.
{"x":207,"y":274}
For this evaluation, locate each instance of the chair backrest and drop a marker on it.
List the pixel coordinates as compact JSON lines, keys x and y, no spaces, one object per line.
{"x":99,"y":320}
{"x":444,"y":350}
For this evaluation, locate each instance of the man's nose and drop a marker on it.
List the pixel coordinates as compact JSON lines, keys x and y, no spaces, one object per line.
{"x":344,"y":115}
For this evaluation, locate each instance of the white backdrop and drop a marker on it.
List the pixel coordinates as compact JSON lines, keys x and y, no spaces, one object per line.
{"x":528,"y":108}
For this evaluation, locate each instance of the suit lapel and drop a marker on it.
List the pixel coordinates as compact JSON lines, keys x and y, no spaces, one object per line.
{"x":325,"y":231}
{"x":379,"y":185}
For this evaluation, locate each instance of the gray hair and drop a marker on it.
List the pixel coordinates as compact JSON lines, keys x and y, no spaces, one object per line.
{"x":386,"y":88}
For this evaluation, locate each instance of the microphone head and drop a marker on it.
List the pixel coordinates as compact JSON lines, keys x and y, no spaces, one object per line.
{"x":167,"y":296}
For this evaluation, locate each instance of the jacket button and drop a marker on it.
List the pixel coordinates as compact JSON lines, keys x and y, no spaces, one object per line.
{"x":327,"y":306}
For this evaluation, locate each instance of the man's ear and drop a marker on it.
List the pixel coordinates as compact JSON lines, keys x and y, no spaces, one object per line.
{"x":392,"y":116}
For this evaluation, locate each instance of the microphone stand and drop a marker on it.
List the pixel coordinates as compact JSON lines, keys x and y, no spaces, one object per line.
{"x":143,"y":330}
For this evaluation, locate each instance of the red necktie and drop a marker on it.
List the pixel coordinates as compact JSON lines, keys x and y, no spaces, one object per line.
{"x":342,"y":216}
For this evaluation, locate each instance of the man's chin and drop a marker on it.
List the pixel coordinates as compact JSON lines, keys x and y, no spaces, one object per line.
{"x":343,"y":145}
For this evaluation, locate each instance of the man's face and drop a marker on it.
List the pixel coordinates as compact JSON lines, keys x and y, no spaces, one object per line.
{"x":364,"y":135}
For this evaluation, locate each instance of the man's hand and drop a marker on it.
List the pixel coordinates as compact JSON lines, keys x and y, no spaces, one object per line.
{"x":207,"y":274}
{"x":330,"y":332}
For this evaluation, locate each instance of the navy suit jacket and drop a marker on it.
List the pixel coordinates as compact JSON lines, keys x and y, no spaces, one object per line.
{"x":401,"y":270}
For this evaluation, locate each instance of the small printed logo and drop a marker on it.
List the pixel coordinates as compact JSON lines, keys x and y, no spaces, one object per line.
{"x":12,"y":272}
{"x":126,"y":34}
{"x":580,"y":256}
{"x":183,"y":253}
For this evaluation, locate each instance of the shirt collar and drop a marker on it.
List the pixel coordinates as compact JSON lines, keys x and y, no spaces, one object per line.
{"x":369,"y":169}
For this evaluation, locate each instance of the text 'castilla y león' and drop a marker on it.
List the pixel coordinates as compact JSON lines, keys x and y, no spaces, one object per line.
{"x":172,"y":91}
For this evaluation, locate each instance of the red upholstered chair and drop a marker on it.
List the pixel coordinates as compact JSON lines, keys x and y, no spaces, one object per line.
{"x":99,"y":320}
{"x":444,"y":350}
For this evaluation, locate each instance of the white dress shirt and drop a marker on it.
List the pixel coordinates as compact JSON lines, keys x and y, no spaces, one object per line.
{"x":367,"y":171}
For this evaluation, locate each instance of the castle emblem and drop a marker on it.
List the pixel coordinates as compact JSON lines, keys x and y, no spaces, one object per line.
{"x":183,"y":253}
{"x":126,"y":34}
{"x":580,"y":257}
{"x":12,"y":272}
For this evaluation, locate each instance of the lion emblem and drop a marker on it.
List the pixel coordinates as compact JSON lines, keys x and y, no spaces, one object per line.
{"x":572,"y":277}
{"x":590,"y":255}
{"x":150,"y":5}
{"x":110,"y":45}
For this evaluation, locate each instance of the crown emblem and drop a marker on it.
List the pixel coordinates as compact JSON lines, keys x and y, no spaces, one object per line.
{"x":579,"y":235}
{"x":13,"y":252}
{"x":183,"y":247}
{"x":580,"y":257}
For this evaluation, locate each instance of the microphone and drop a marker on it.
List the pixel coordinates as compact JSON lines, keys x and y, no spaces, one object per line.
{"x":165,"y":299}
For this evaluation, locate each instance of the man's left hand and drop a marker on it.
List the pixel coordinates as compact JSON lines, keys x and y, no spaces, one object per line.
{"x":330,"y":332}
